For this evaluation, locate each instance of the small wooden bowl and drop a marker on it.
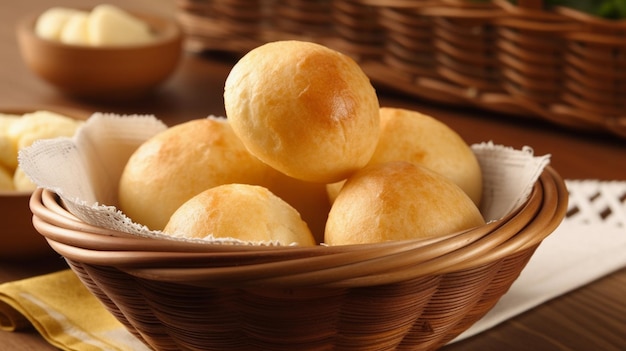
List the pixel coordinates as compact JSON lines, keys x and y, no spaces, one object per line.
{"x":103,"y":72}
{"x":18,"y":238}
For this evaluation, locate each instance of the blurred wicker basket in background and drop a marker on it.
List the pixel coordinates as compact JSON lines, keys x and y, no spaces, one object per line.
{"x":402,"y":295}
{"x":561,"y":65}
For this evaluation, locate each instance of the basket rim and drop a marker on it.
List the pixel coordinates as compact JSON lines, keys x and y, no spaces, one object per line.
{"x":349,"y":265}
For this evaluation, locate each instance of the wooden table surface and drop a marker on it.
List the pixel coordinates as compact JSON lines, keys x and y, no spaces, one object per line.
{"x":590,"y":318}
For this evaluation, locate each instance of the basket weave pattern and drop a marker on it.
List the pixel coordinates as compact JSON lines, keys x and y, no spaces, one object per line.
{"x":404,"y":295}
{"x":562,"y":66}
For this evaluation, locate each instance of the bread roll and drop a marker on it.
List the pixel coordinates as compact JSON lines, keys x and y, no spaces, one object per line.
{"x":246,"y":212}
{"x":309,"y":199}
{"x":411,"y":136}
{"x":42,"y":125}
{"x":398,"y":201}
{"x":6,"y":179}
{"x":33,"y":126}
{"x":180,"y":162}
{"x":8,"y":149}
{"x":21,"y":181}
{"x":304,"y":109}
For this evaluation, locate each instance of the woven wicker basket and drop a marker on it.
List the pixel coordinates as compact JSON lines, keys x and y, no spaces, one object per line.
{"x":404,"y":295}
{"x":562,"y":66}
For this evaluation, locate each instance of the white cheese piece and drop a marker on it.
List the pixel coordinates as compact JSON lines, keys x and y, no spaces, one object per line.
{"x":75,"y":30}
{"x":110,"y":25}
{"x":49,"y":24}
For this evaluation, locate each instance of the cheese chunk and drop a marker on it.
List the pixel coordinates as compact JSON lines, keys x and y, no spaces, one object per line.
{"x":109,"y":25}
{"x":50,"y":24}
{"x":76,"y":30}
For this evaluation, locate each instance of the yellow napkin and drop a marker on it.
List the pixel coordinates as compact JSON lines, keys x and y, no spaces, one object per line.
{"x":64,"y":312}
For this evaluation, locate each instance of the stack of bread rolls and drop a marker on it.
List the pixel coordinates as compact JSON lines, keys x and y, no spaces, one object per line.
{"x":306,"y":156}
{"x":18,"y":131}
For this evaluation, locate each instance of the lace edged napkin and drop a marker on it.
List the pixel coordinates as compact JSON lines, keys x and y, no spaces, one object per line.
{"x":84,"y":171}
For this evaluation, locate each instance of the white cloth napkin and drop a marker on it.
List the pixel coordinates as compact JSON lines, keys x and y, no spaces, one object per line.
{"x":85,"y":170}
{"x":589,"y":244}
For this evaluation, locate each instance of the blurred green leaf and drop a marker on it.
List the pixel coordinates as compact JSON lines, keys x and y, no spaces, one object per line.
{"x":609,"y":9}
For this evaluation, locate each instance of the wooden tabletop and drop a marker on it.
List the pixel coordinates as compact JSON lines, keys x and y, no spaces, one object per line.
{"x":590,"y":318}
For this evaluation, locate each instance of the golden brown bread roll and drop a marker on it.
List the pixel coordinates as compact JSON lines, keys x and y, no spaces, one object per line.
{"x":8,"y":147}
{"x":20,"y":131}
{"x":398,"y":201}
{"x":180,"y":162}
{"x":304,"y":109}
{"x":6,"y":179}
{"x":245,"y":212}
{"x":21,"y":181}
{"x":309,"y":199}
{"x":411,"y":136}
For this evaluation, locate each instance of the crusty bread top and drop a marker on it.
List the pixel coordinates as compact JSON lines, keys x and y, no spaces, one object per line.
{"x":306,"y":110}
{"x":180,"y":162}
{"x":411,"y":136}
{"x":246,"y":212}
{"x":398,"y":201}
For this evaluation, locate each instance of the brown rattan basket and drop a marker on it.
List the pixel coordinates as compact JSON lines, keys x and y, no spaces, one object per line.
{"x":403,"y":295}
{"x":561,"y":65}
